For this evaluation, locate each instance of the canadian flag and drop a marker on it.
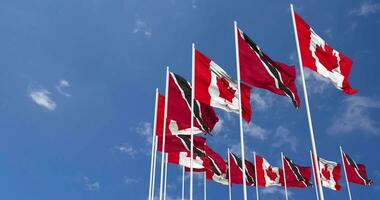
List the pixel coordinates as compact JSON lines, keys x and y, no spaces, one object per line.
{"x":214,"y":87}
{"x":267,"y":175}
{"x":184,"y":159}
{"x":329,"y":173}
{"x":320,"y":57}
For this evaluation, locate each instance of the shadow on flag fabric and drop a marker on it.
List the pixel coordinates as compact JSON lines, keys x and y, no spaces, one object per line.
{"x":182,"y":143}
{"x":296,"y":175}
{"x":214,"y":87}
{"x":179,"y":109}
{"x":356,"y":173}
{"x":259,"y":70}
{"x":318,"y":56}
{"x":267,"y":175}
{"x":236,"y":168}
{"x":329,"y":173}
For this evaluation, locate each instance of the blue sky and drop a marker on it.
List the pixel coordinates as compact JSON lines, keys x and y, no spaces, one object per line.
{"x":78,"y":78}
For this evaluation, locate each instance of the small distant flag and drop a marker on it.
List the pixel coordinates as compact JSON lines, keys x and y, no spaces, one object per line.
{"x":356,"y":173}
{"x":318,"y":56}
{"x":259,"y":70}
{"x":237,"y":169}
{"x":216,"y":167}
{"x":214,"y":87}
{"x":296,"y":175}
{"x":267,"y":175}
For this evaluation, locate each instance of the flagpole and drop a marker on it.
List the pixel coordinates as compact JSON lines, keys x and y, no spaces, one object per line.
{"x":154,"y":166}
{"x":283,"y":171}
{"x":204,"y":186}
{"x":314,"y":148}
{"x":315,"y":180}
{"x":240,"y":112}
{"x":183,"y":183}
{"x":345,"y":172}
{"x":192,"y":118}
{"x":229,"y":175}
{"x":166,"y":174}
{"x":153,"y":144}
{"x":164,"y":133}
{"x":256,"y":182}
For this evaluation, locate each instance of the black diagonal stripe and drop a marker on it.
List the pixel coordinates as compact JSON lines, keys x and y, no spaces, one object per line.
{"x":353,"y":164}
{"x":186,"y":140}
{"x":270,"y":64}
{"x":185,"y":87}
{"x":238,"y":161}
{"x":214,"y":167}
{"x":296,"y":172}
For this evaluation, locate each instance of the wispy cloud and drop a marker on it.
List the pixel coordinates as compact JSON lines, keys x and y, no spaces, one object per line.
{"x":316,"y":83}
{"x":145,"y":129}
{"x":142,"y":27}
{"x":91,"y":185}
{"x":127,"y":149}
{"x":42,"y":98}
{"x":130,"y":180}
{"x":355,"y":114}
{"x":275,"y":191}
{"x":366,"y":8}
{"x":283,"y":137}
{"x":256,"y":131}
{"x":218,"y":127}
{"x":62,"y":85}
{"x":194,"y":4}
{"x":262,"y":100}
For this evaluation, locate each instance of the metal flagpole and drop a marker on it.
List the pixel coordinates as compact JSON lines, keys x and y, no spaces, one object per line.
{"x":164,"y":133}
{"x":283,"y":171}
{"x":166,"y":174}
{"x":240,"y":112}
{"x":345,"y":172}
{"x":154,"y":166}
{"x":204,"y":186}
{"x":256,"y":182}
{"x":183,"y":183}
{"x":229,"y":176}
{"x":315,"y":180}
{"x":314,"y":148}
{"x":153,"y":144}
{"x":192,"y":119}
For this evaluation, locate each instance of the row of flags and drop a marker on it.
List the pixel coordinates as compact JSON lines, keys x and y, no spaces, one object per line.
{"x":187,"y":109}
{"x":230,"y":171}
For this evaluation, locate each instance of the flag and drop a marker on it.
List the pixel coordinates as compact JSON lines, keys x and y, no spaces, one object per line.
{"x":236,"y":168}
{"x":184,"y":159}
{"x":214,"y":87}
{"x":182,"y":143}
{"x":179,"y":109}
{"x":320,"y":57}
{"x":160,"y":115}
{"x":296,"y":175}
{"x":267,"y":175}
{"x":257,"y":69}
{"x":216,"y":167}
{"x":356,"y":173}
{"x":329,"y":173}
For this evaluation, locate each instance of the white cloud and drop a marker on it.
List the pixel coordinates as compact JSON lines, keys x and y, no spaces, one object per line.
{"x":129,"y":180}
{"x":91,"y":185}
{"x":194,"y":4}
{"x":275,"y":191}
{"x":315,"y":83}
{"x":366,"y":8}
{"x":256,"y":131}
{"x":145,"y":129}
{"x":141,"y":27}
{"x":283,"y":137}
{"x":62,"y":84}
{"x":218,"y":127}
{"x":262,"y":100}
{"x":127,"y":149}
{"x":356,"y":116}
{"x":41,"y":97}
